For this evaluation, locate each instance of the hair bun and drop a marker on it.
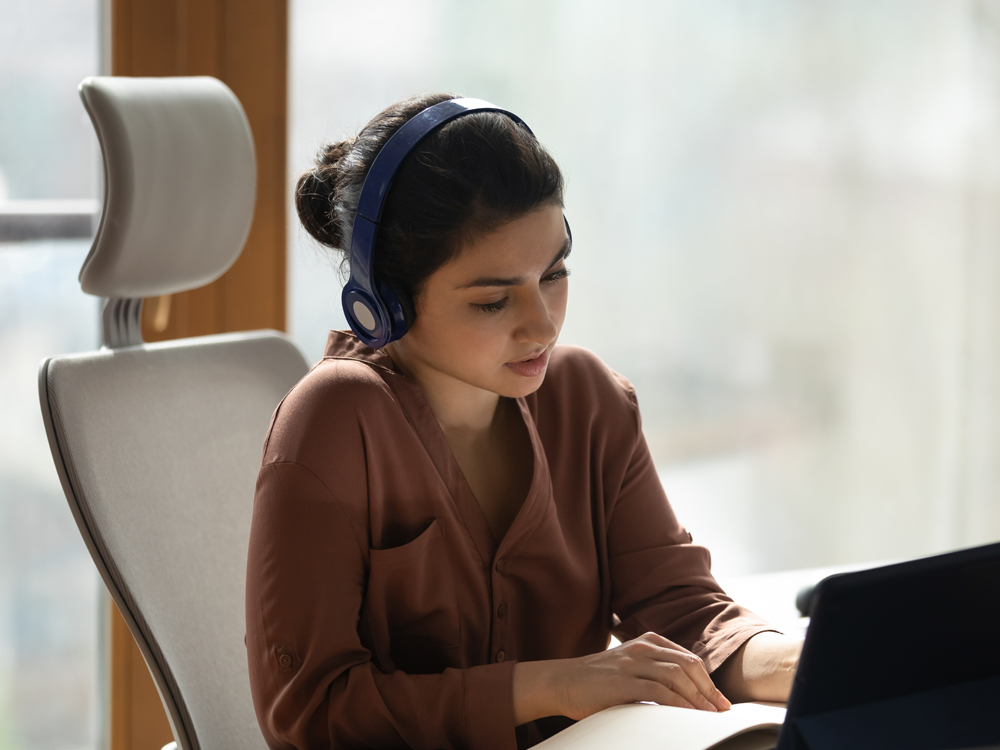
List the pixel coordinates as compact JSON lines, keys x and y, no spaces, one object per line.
{"x":315,"y":196}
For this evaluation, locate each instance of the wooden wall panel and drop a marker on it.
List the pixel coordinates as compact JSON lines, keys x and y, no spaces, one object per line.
{"x":243,"y":43}
{"x":255,"y":286}
{"x":138,"y":719}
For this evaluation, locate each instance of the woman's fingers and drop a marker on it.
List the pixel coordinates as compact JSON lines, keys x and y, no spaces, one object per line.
{"x":683,"y":672}
{"x":648,"y":668}
{"x":697,"y":694}
{"x":673,"y":677}
{"x":694,"y":670}
{"x":659,"y":693}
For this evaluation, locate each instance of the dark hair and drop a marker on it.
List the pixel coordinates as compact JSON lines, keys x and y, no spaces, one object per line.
{"x":465,"y":179}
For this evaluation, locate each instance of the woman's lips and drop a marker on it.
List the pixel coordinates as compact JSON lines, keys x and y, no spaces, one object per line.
{"x":530,"y":368}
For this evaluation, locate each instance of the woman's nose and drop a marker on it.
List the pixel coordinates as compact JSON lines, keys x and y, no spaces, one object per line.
{"x":535,"y":324}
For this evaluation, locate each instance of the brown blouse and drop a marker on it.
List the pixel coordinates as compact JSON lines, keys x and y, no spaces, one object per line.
{"x":381,"y":612}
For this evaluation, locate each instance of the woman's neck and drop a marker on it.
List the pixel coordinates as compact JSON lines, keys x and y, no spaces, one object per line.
{"x":462,"y":410}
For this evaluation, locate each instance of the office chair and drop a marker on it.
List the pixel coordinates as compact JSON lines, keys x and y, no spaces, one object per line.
{"x":158,"y":445}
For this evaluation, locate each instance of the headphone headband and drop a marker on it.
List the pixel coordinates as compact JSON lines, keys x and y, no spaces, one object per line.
{"x":371,"y":307}
{"x":403,"y":141}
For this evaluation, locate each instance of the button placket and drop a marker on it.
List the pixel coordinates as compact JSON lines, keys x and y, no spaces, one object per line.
{"x":499,"y":614}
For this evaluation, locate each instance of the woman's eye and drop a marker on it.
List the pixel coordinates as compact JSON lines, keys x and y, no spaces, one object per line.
{"x":562,"y":273}
{"x":493,"y":307}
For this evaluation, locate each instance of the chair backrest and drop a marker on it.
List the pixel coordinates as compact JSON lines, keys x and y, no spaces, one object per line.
{"x":158,"y":445}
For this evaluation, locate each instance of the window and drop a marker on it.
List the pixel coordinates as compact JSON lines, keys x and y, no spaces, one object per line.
{"x":784,"y":236}
{"x":48,"y":583}
{"x":49,"y":588}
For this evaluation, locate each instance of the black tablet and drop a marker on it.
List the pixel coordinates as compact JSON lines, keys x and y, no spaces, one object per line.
{"x":903,"y":656}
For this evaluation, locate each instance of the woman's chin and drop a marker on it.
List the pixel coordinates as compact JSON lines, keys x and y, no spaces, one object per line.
{"x":518,"y":386}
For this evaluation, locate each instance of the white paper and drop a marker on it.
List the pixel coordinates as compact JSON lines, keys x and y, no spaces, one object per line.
{"x":642,"y":726}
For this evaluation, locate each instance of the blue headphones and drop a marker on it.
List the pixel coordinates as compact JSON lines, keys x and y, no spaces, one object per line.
{"x":372,"y":308}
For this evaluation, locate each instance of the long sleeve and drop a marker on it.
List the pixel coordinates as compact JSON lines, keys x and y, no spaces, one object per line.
{"x":660,"y":581}
{"x":314,"y":682}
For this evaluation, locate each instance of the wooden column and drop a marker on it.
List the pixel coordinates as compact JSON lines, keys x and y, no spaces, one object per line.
{"x":244,"y":44}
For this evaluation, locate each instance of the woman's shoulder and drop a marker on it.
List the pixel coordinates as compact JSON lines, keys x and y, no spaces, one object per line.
{"x":328,"y":409}
{"x":578,"y":369}
{"x":340,"y":387}
{"x":579,"y":381}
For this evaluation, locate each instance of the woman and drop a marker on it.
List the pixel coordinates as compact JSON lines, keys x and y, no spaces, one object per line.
{"x":448,"y":529}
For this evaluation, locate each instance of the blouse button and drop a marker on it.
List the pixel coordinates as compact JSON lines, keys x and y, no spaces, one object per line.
{"x":285,"y":660}
{"x":502,"y":610}
{"x":501,"y":564}
{"x":501,"y":655}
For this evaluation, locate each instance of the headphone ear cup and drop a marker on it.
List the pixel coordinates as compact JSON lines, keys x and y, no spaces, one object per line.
{"x":405,"y":302}
{"x":398,"y":309}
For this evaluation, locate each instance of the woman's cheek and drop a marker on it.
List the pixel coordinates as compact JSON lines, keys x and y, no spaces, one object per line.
{"x":558,"y":308}
{"x":476,"y":342}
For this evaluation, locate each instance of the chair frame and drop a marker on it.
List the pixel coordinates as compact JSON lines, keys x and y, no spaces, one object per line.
{"x":180,"y":723}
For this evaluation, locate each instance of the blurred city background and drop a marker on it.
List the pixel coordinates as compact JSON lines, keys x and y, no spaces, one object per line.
{"x":785,"y":235}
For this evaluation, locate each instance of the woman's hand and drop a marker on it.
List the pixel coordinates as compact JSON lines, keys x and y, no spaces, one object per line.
{"x":649,"y":668}
{"x":761,"y":669}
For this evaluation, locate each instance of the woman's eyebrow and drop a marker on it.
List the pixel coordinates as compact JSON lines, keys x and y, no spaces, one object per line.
{"x":515,"y":280}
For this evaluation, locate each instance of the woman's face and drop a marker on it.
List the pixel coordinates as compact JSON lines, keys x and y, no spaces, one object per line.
{"x":490,"y":317}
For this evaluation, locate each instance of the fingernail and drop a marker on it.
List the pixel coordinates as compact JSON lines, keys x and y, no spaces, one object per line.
{"x":709,"y":706}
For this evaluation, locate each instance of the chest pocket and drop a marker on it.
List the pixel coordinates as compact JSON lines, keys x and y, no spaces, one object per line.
{"x":412,"y":607}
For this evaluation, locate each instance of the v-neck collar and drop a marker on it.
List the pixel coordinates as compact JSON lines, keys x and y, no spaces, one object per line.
{"x":345,"y":345}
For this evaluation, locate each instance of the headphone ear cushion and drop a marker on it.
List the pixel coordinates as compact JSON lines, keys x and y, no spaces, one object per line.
{"x":398,"y":308}
{"x":405,"y":302}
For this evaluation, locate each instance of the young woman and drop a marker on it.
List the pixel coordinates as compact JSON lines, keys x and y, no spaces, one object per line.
{"x":447,"y":530}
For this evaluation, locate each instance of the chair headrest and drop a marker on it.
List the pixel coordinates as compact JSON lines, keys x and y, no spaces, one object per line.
{"x":180,"y":184}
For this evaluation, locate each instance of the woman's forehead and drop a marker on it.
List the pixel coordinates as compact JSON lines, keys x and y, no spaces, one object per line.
{"x":526,"y":246}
